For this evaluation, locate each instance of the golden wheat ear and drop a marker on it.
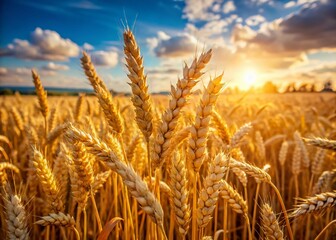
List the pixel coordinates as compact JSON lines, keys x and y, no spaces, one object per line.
{"x":322,"y":143}
{"x":180,"y":193}
{"x":270,"y":224}
{"x":140,"y":98}
{"x":16,"y":218}
{"x":180,"y":95}
{"x":41,"y":94}
{"x":315,"y":204}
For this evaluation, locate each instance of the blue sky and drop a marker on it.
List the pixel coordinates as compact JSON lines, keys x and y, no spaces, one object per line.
{"x":253,"y":40}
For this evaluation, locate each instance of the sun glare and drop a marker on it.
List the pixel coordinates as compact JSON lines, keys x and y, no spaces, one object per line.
{"x":250,"y":77}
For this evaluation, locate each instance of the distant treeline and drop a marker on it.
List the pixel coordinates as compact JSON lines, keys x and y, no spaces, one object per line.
{"x":10,"y":90}
{"x":268,"y":87}
{"x":7,"y":91}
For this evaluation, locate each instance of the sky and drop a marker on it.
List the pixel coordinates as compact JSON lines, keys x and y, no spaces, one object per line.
{"x":253,"y":41}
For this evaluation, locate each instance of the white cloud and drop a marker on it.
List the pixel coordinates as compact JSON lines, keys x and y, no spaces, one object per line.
{"x":3,"y":71}
{"x":229,"y":7}
{"x":216,"y":7}
{"x":302,"y":2}
{"x":255,"y":20}
{"x":21,"y":76}
{"x":211,"y":31}
{"x":22,"y":71}
{"x":85,"y":5}
{"x":105,"y":58}
{"x":172,"y":46}
{"x":286,"y":41}
{"x":55,"y":67}
{"x":200,"y":10}
{"x":293,"y":3}
{"x":87,"y":47}
{"x":261,"y":2}
{"x":290,"y":4}
{"x":43,"y":45}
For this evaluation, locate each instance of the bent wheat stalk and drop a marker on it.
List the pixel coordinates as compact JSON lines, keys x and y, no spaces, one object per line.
{"x":322,"y":143}
{"x":317,"y":203}
{"x":262,"y":176}
{"x":59,"y":219}
{"x":137,"y":187}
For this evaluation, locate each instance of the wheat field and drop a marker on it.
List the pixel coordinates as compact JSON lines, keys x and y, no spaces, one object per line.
{"x":184,"y":166}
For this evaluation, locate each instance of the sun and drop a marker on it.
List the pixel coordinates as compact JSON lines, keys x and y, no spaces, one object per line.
{"x":250,"y":77}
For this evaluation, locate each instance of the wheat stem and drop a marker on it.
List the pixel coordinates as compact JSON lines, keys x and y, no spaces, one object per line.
{"x":100,"y":228}
{"x":325,"y":229}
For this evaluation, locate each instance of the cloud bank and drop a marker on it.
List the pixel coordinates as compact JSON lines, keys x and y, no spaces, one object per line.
{"x":286,"y":41}
{"x":42,"y":45}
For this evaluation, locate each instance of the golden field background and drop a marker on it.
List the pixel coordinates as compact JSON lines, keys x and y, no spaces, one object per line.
{"x":184,"y":166}
{"x":274,"y":118}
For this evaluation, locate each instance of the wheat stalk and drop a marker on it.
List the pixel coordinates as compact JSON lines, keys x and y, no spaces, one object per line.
{"x":18,"y":119}
{"x":57,"y":219}
{"x":322,"y":143}
{"x":208,"y":195}
{"x":270,"y":224}
{"x":304,"y":152}
{"x":56,"y":132}
{"x":137,"y":187}
{"x":315,"y":204}
{"x":90,"y":72}
{"x":140,"y":98}
{"x":61,"y":171}
{"x":180,"y":95}
{"x":324,"y":182}
{"x":47,"y":181}
{"x":41,"y":94}
{"x":16,"y":218}
{"x":180,"y":194}
{"x":81,"y":174}
{"x":258,"y":174}
{"x":52,"y":119}
{"x":99,"y":180}
{"x":283,"y":153}
{"x":221,"y":126}
{"x":234,"y":199}
{"x":79,"y":107}
{"x":239,"y":134}
{"x":199,"y":131}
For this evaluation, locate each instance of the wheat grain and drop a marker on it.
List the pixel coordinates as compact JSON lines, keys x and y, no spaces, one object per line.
{"x":283,"y":153}
{"x":41,"y":94}
{"x":322,"y":143}
{"x":315,"y":204}
{"x":16,"y":218}
{"x":99,"y":180}
{"x":180,"y":95}
{"x":239,"y":134}
{"x":304,"y":152}
{"x":140,"y":98}
{"x":199,"y":131}
{"x":221,"y":126}
{"x":208,"y":195}
{"x":180,"y":194}
{"x":324,"y":182}
{"x":234,"y":199}
{"x":270,"y":224}
{"x":259,"y":174}
{"x":57,"y":219}
{"x":47,"y":181}
{"x":137,"y":187}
